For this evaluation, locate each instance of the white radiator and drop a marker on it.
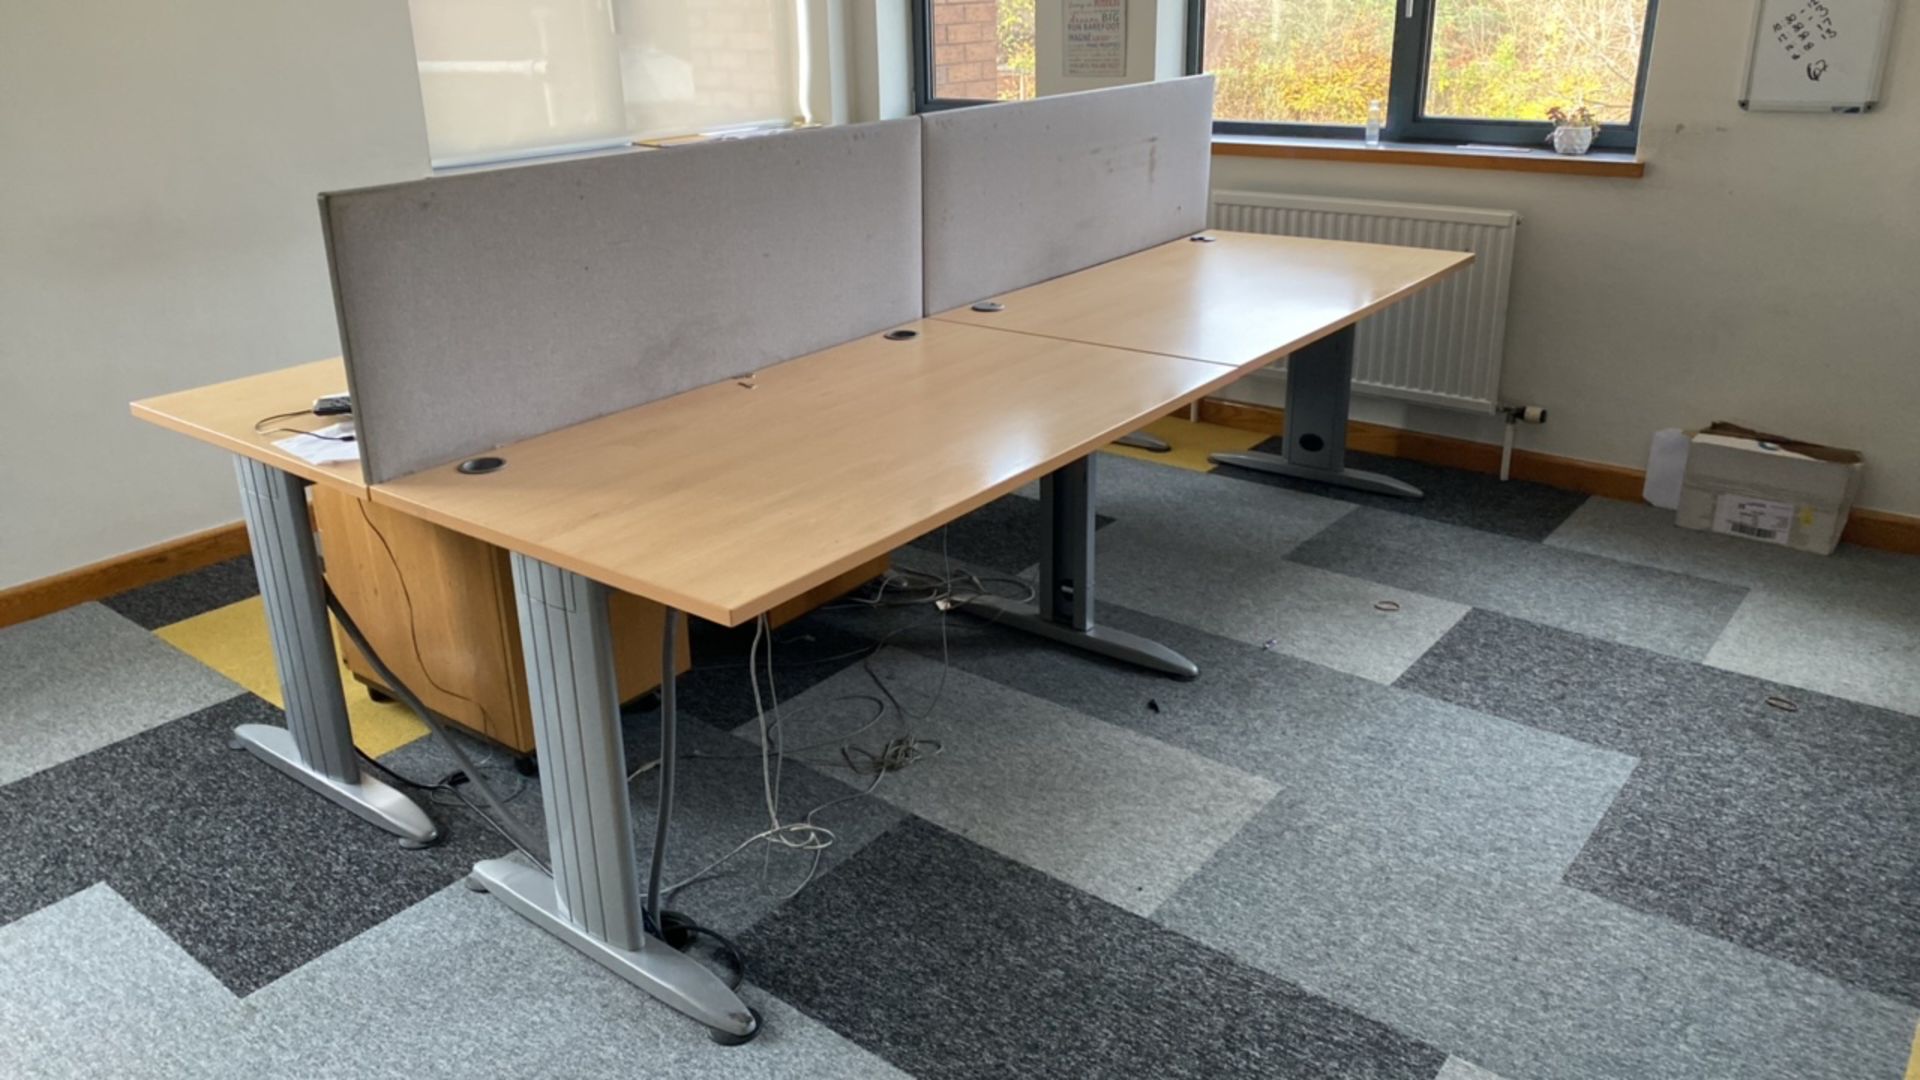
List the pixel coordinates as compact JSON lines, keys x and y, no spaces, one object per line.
{"x":1441,"y":346}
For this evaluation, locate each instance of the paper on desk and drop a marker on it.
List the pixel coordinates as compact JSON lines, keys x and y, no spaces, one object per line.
{"x":327,"y":446}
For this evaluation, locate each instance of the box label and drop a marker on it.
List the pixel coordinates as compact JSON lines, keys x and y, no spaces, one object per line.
{"x":1757,"y":519}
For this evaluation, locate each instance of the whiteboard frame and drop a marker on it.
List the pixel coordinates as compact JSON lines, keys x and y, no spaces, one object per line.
{"x":1747,"y":103}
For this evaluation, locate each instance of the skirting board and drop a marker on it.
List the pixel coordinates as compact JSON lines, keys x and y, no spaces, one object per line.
{"x":1869,"y":528}
{"x":122,"y":572}
{"x":1881,"y":529}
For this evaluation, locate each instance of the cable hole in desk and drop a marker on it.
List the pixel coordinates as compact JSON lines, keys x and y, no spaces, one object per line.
{"x":902,"y":335}
{"x":989,"y":306}
{"x":1202,"y":239}
{"x":481,"y":465}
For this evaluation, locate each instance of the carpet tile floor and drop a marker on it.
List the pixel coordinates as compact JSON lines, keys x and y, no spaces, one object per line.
{"x":1593,"y":798}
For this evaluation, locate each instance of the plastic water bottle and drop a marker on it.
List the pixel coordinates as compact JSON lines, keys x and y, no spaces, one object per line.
{"x":1376,"y":117}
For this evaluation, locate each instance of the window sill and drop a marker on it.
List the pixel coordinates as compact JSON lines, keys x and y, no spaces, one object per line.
{"x":1519,"y":159}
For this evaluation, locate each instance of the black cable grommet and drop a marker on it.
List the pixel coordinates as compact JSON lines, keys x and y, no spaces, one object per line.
{"x":901,"y":335}
{"x":480,"y":465}
{"x":989,"y":306}
{"x":1202,"y":239}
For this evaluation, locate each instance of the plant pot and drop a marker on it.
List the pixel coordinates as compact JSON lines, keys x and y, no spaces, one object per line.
{"x":1572,"y":140}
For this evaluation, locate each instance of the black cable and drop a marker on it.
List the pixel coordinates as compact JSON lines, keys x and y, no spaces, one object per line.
{"x":668,"y":720}
{"x":506,"y":825}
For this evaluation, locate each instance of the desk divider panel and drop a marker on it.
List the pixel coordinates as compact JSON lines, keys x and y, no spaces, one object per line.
{"x":487,"y":307}
{"x":1022,"y":192}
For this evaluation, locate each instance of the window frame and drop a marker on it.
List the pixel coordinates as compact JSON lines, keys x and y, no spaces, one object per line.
{"x":923,"y":99}
{"x":1406,"y":120}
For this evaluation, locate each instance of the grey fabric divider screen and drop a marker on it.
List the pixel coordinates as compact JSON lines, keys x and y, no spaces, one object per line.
{"x":1019,"y":193}
{"x":482,"y":308}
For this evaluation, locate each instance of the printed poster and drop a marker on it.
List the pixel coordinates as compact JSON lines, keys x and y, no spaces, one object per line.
{"x":1096,"y":41}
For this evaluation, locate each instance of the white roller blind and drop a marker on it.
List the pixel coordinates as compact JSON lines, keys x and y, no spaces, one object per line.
{"x":507,"y":78}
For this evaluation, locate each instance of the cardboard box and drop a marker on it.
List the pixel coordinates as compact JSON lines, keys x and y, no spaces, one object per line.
{"x":1768,"y":488}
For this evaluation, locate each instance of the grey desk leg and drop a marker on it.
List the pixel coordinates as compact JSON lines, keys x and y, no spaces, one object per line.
{"x":1140,"y":440}
{"x":592,"y":899}
{"x":1319,"y":393}
{"x":316,"y":746}
{"x":1065,"y":594}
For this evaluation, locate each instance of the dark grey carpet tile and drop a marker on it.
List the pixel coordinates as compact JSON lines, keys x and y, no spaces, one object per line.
{"x":1791,"y":861}
{"x":164,"y":603}
{"x":951,"y":961}
{"x":1479,"y":501}
{"x":250,"y":873}
{"x":1004,"y":535}
{"x":805,"y":651}
{"x":1635,"y":605}
{"x":1792,"y":833}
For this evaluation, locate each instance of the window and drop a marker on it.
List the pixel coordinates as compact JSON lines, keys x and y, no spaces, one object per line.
{"x":1443,"y":70}
{"x":511,"y":78}
{"x":974,"y":50}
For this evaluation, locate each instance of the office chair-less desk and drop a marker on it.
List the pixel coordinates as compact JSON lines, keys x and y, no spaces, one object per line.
{"x":732,"y":498}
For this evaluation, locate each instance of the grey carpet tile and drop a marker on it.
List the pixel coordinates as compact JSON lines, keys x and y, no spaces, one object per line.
{"x":719,"y":802}
{"x":1105,"y":809}
{"x":1637,"y":533}
{"x":1654,"y":609}
{"x":1791,"y":833}
{"x":1219,"y":583}
{"x":1186,"y":506}
{"x":1856,"y":641}
{"x":250,"y":873}
{"x":85,"y":677}
{"x":716,"y":690}
{"x":950,"y":961}
{"x":1846,"y":624}
{"x":1004,"y":535}
{"x":459,"y":986}
{"x":1452,"y":783}
{"x":1515,"y":508}
{"x":1525,"y":978}
{"x":89,"y":988}
{"x":196,"y":592}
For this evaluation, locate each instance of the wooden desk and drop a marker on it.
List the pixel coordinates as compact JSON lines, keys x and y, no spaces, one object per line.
{"x":730,"y":499}
{"x":725,"y":501}
{"x":1243,"y":300}
{"x":227,"y":415}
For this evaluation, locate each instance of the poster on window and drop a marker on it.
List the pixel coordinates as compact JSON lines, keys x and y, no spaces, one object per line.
{"x":1096,"y":39}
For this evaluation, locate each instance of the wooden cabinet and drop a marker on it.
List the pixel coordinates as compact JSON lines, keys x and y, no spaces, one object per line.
{"x":439,"y":608}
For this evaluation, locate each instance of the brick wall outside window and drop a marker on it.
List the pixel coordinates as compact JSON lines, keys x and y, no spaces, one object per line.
{"x":965,"y":49}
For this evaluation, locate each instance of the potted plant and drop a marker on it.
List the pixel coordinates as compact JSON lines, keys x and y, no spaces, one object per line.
{"x":1573,"y":131}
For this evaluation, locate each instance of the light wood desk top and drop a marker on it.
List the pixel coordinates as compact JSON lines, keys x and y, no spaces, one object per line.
{"x":225,"y":415}
{"x":725,"y":501}
{"x":1245,"y":299}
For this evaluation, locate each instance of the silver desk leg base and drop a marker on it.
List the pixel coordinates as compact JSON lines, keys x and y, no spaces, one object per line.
{"x":671,"y":977}
{"x":1100,"y":640}
{"x":592,"y":900}
{"x":1063,"y":599}
{"x":373,"y":800}
{"x":1319,"y":394}
{"x":1140,"y":440}
{"x":1358,"y":479}
{"x":316,"y":746}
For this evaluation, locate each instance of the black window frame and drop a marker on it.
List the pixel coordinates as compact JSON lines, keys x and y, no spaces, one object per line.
{"x":1406,"y":119}
{"x":1406,"y":92}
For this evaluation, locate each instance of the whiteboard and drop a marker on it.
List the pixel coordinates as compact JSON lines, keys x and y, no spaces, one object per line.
{"x":1817,"y":55}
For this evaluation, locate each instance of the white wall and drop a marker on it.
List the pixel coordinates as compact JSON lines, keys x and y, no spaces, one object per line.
{"x":1766,"y":269}
{"x":158,"y":167}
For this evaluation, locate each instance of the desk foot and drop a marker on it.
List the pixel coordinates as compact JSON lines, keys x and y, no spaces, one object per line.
{"x":371,"y":799}
{"x":1100,"y":640}
{"x":671,"y":977}
{"x":1358,"y":479}
{"x":1140,"y":440}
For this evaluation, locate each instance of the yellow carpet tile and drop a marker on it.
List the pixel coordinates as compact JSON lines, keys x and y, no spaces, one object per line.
{"x":233,"y":641}
{"x":1191,"y":441}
